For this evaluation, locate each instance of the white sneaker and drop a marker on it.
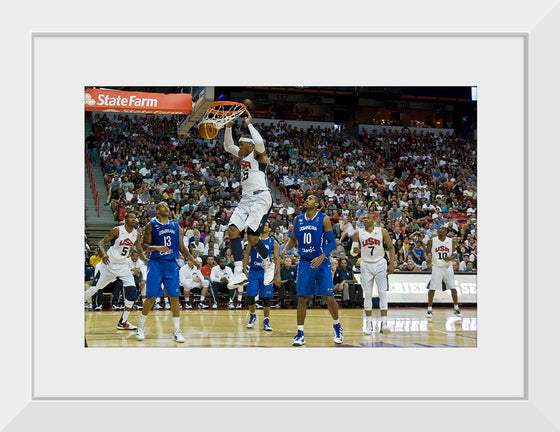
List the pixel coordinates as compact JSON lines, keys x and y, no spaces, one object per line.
{"x":383,"y":328}
{"x":167,"y":306}
{"x":188,"y":305}
{"x":258,"y":306}
{"x":269,"y":270}
{"x":215,"y":306}
{"x":157,"y":306}
{"x":266,"y":325}
{"x":230,"y":305}
{"x":457,"y":312}
{"x":369,"y":328}
{"x":202,"y":306}
{"x":338,"y":337}
{"x":178,"y":336}
{"x":238,"y":305}
{"x":237,"y":280}
{"x":252,"y":320}
{"x":429,"y":314}
{"x":140,"y":333}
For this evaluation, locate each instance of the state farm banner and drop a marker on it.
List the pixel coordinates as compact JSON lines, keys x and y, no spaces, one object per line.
{"x":137,"y":102}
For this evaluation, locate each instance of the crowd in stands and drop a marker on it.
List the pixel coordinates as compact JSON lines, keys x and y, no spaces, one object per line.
{"x":414,"y":182}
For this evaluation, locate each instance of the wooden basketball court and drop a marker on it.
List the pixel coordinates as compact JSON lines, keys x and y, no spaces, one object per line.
{"x":227,"y":328}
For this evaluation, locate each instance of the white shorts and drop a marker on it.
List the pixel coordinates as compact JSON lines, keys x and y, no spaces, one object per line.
{"x":110,"y":272}
{"x":442,"y":273}
{"x":251,"y":210}
{"x":374,"y":271}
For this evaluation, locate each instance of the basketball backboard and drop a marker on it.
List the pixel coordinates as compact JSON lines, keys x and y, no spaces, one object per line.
{"x":202,"y":98}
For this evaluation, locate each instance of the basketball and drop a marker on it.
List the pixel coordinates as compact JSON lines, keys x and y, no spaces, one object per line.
{"x":207,"y":130}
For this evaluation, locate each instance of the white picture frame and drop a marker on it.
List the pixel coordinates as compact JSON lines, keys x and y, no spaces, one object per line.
{"x":24,"y":404}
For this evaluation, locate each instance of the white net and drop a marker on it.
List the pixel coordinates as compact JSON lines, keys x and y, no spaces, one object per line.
{"x":220,"y":113}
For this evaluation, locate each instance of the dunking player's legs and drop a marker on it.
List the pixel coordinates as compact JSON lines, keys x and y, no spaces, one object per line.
{"x":239,"y":277}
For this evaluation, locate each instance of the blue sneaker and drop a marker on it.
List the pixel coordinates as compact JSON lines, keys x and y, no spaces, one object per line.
{"x":252,"y":320}
{"x":299,"y":339}
{"x":266,"y":325}
{"x":338,"y":338}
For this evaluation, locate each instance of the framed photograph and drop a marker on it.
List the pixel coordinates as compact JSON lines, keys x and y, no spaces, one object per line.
{"x":506,"y":380}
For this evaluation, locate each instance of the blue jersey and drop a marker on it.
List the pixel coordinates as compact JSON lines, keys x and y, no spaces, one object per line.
{"x":309,"y":235}
{"x":255,"y":260}
{"x":165,"y":235}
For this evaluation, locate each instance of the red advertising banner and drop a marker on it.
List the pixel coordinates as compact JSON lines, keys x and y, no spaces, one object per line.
{"x":137,"y":102}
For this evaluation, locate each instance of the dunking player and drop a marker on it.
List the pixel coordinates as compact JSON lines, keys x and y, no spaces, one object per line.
{"x":254,"y":206}
{"x":310,"y":231}
{"x":370,"y":241}
{"x":255,"y":275}
{"x":115,"y":265}
{"x":442,"y":250}
{"x":163,"y":240}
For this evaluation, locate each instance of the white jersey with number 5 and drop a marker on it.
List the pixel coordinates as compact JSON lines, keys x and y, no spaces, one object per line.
{"x":371,"y":245}
{"x":253,"y":175}
{"x":119,"y":252}
{"x":441,"y":250}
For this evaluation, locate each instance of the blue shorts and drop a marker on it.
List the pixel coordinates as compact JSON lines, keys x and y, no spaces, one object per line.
{"x":256,"y":284}
{"x":314,"y":280}
{"x":164,"y":272}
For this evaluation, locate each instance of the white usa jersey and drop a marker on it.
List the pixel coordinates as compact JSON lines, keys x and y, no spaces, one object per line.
{"x":371,"y":245}
{"x":441,"y":250}
{"x":253,"y":174}
{"x":119,"y":252}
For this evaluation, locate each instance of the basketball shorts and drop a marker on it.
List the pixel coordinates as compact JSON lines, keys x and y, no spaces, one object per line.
{"x":252,"y":211}
{"x":371,"y":272}
{"x":107,"y":273}
{"x":377,"y":272}
{"x":440,"y":274}
{"x":164,"y":272}
{"x":256,"y":284}
{"x":317,"y":280}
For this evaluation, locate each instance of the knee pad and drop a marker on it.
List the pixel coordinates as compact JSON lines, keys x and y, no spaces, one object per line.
{"x":266,"y":302}
{"x":250,"y":301}
{"x":130,"y":293}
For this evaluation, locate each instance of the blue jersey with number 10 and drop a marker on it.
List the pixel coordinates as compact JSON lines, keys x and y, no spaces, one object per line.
{"x":165,"y":235}
{"x":309,"y":235}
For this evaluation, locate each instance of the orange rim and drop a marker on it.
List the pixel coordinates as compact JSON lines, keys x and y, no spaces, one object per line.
{"x":240,"y":108}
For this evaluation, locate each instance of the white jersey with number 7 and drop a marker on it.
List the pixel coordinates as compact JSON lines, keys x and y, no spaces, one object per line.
{"x":371,"y":245}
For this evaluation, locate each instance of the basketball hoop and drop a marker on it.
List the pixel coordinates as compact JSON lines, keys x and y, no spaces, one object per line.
{"x":217,"y":116}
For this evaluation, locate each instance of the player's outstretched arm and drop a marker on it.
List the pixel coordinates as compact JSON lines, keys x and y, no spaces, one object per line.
{"x":391,"y":249}
{"x":229,"y":145}
{"x":355,"y":244}
{"x":255,"y":135}
{"x":113,"y":234}
{"x":139,"y":247}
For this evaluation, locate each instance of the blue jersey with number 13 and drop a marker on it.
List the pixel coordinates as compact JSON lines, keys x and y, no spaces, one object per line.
{"x":165,"y":235}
